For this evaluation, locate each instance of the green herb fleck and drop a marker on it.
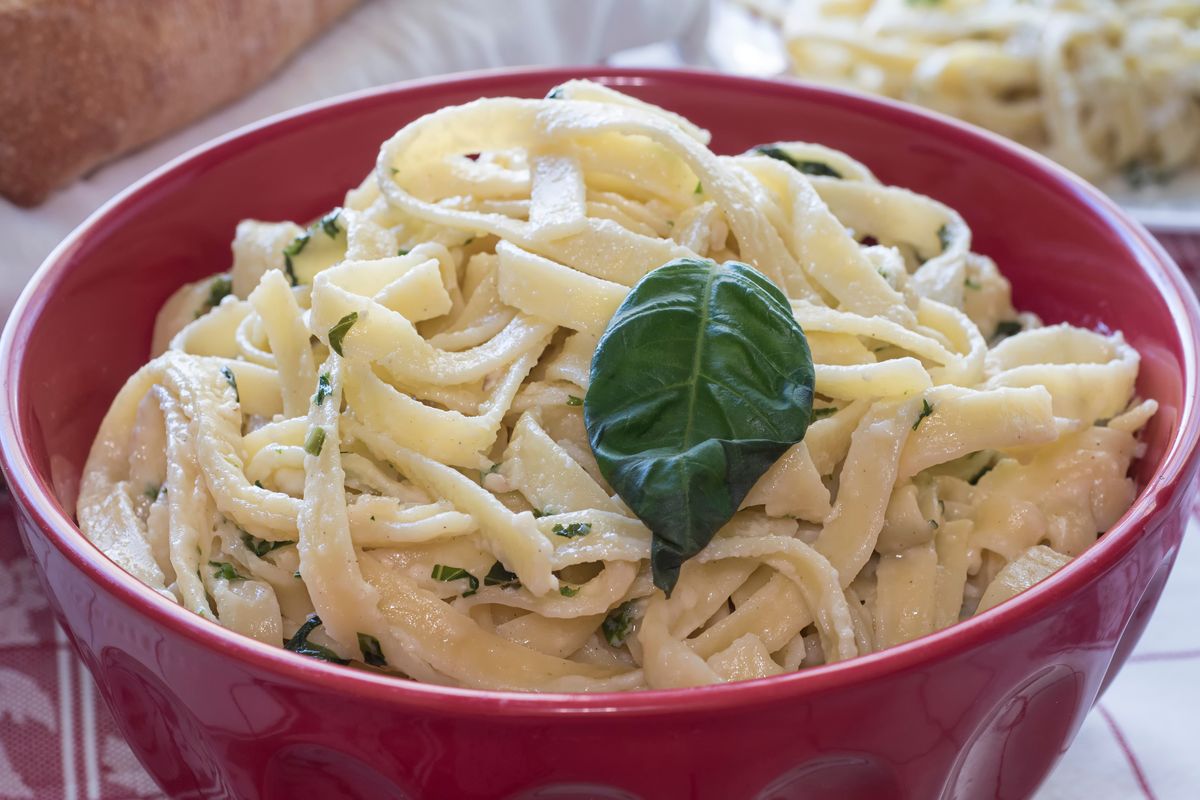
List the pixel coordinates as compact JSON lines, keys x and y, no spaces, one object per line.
{"x":1006,"y":328}
{"x":291,"y":251}
{"x":329,"y":223}
{"x":573,"y":400}
{"x":259,"y":485}
{"x":223,"y":569}
{"x":926,"y":410}
{"x":822,"y":413}
{"x":403,"y":251}
{"x":394,"y":170}
{"x":221,"y":286}
{"x":933,"y":524}
{"x":817,"y":168}
{"x":260,"y":547}
{"x":441,"y":572}
{"x":568,"y":591}
{"x":152,"y":490}
{"x":944,"y":237}
{"x":299,"y":642}
{"x":974,"y":479}
{"x":372,"y":653}
{"x":337,"y":333}
{"x":617,"y":624}
{"x":232,"y":380}
{"x":572,"y":530}
{"x":499,"y":576}
{"x":1139,"y":174}
{"x":324,"y":389}
{"x":971,"y":283}
{"x":468,"y":241}
{"x":699,"y":188}
{"x":314,"y":441}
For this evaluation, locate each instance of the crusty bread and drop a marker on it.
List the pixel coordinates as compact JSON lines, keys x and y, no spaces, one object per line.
{"x":87,"y":80}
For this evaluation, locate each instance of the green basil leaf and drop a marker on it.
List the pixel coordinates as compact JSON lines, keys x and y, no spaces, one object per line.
{"x":324,"y":389}
{"x":499,"y":576}
{"x":337,"y":333}
{"x":221,"y":286}
{"x":223,"y":569}
{"x":372,"y":652}
{"x":701,"y":381}
{"x":231,"y":379}
{"x":573,"y":529}
{"x":260,"y":547}
{"x":314,"y":441}
{"x":299,"y":643}
{"x":617,"y":624}
{"x":819,"y":168}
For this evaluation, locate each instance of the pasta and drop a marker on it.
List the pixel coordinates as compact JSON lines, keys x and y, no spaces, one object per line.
{"x":365,"y":440}
{"x":1101,"y":86}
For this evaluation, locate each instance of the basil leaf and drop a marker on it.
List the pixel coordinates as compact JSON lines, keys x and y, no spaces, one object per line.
{"x":700,"y":383}
{"x":232,"y":380}
{"x":441,"y":572}
{"x":568,"y":591}
{"x":324,"y":389}
{"x":819,"y":168}
{"x":221,"y":286}
{"x":260,"y":547}
{"x":617,"y":624}
{"x":1006,"y":328}
{"x":223,"y":569}
{"x":944,"y":237}
{"x":499,"y":576}
{"x":926,"y":410}
{"x":299,"y":643}
{"x":570,"y":531}
{"x":372,"y":652}
{"x":338,"y":332}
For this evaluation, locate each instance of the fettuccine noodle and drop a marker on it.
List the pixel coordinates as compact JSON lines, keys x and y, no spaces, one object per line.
{"x":376,"y":420}
{"x":1099,"y":85}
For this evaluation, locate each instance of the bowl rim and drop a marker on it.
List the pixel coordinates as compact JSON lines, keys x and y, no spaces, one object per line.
{"x":1162,"y":491}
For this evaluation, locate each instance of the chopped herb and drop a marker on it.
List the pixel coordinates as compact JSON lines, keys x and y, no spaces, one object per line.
{"x":926,"y":410}
{"x":494,"y":468}
{"x":572,"y":400}
{"x":971,"y":283}
{"x":260,"y":547}
{"x":314,"y":441}
{"x":933,"y":524}
{"x":974,"y":479}
{"x":822,"y":413}
{"x":152,"y":491}
{"x":221,"y":286}
{"x":338,"y":332}
{"x":539,"y":513}
{"x":223,"y":569}
{"x":441,"y":572}
{"x":944,"y":237}
{"x":329,"y":223}
{"x":1139,"y":174}
{"x":499,"y":576}
{"x":371,"y":651}
{"x":699,"y":188}
{"x":883,"y":274}
{"x":259,"y":484}
{"x":568,"y":591}
{"x":299,"y":643}
{"x":572,"y":530}
{"x":617,"y":624}
{"x":1006,"y":328}
{"x":232,"y":379}
{"x":818,"y":168}
{"x":403,"y":251}
{"x":296,"y":575}
{"x":291,"y":251}
{"x":556,"y":93}
{"x":324,"y":389}
{"x":394,"y":170}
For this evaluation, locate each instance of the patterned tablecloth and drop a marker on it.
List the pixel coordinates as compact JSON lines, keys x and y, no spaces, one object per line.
{"x":58,"y":742}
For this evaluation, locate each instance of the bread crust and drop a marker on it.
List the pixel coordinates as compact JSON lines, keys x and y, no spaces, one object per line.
{"x":88,"y":80}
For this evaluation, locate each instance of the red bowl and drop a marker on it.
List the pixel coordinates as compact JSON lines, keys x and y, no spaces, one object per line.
{"x":982,"y":709}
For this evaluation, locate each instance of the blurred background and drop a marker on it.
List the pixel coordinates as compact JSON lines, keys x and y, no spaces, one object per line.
{"x":98,"y":93}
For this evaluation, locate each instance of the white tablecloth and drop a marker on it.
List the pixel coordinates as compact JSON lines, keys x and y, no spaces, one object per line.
{"x":1138,"y":743}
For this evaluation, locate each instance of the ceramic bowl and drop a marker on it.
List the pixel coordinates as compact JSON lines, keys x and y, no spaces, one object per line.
{"x":980,"y":710}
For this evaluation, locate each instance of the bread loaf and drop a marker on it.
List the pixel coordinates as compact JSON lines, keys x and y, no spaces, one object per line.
{"x":88,"y":80}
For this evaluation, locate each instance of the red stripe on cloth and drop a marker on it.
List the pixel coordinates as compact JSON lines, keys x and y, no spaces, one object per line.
{"x":1135,"y":765}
